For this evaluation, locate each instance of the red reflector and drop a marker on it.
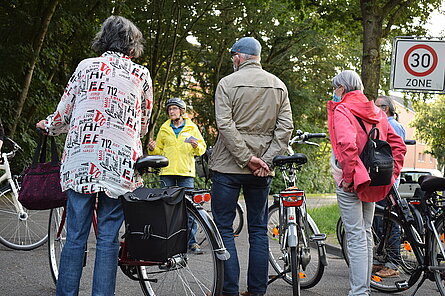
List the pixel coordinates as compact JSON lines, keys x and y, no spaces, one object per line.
{"x":415,"y":202}
{"x":198,"y":198}
{"x":207,"y":197}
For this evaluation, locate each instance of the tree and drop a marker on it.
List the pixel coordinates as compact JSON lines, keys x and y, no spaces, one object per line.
{"x":430,"y":127}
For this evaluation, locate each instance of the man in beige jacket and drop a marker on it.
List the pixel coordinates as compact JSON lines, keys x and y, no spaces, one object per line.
{"x":254,"y":120}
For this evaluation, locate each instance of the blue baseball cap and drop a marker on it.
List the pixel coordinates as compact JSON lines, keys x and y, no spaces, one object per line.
{"x":247,"y":45}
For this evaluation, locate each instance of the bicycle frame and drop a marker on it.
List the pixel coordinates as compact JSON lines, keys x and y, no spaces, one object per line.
{"x":12,"y":183}
{"x":399,"y":209}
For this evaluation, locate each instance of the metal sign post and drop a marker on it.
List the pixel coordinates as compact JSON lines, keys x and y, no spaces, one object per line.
{"x":418,"y":65}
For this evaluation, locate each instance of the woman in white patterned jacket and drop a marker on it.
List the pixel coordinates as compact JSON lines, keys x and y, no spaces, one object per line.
{"x":104,"y":111}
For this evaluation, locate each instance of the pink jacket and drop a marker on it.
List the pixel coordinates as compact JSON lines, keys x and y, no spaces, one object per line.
{"x":348,"y":140}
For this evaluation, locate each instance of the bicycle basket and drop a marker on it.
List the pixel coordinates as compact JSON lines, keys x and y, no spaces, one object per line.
{"x":155,"y":222}
{"x":292,"y":197}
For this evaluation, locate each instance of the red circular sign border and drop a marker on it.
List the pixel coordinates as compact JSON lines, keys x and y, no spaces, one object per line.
{"x":420,"y":74}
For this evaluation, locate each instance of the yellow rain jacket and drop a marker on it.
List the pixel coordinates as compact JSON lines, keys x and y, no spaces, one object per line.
{"x":181,"y":155}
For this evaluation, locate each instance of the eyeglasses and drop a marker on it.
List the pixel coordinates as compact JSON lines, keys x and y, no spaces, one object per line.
{"x":382,"y":106}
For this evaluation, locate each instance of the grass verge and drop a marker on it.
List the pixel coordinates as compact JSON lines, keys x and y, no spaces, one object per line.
{"x":326,"y":218}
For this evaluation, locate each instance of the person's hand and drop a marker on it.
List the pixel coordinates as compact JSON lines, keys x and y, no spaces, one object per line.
{"x":41,"y":125}
{"x":261,"y":172}
{"x":347,"y":187}
{"x":194,"y":143}
{"x":151,"y":144}
{"x":255,"y":164}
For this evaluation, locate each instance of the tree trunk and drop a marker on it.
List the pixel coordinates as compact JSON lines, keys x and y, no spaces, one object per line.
{"x":37,"y":46}
{"x":372,"y":37}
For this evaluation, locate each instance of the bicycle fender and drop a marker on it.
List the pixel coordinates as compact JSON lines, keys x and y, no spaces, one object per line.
{"x":320,"y":244}
{"x":292,"y":236}
{"x":221,"y":251}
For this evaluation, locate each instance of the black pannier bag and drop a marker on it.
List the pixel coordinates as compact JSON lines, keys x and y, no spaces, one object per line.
{"x":377,"y":157}
{"x":156,"y":223}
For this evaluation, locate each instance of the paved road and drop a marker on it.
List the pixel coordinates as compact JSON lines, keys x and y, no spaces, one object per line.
{"x":27,"y":273}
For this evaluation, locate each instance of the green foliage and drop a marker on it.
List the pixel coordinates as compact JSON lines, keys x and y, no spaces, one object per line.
{"x":305,"y":43}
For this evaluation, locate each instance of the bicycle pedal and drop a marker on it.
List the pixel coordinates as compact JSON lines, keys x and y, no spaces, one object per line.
{"x":318,"y":237}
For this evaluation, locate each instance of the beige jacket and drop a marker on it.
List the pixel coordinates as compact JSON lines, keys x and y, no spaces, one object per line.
{"x":253,"y":116}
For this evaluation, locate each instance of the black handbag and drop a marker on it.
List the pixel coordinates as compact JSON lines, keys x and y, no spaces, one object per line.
{"x":155,"y":223}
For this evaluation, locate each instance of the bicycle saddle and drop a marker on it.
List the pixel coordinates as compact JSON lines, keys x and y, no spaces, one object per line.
{"x":431,"y":183}
{"x":297,"y":158}
{"x":150,"y":161}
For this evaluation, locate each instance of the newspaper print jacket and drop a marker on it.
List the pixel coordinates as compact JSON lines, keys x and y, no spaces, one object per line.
{"x":105,"y":110}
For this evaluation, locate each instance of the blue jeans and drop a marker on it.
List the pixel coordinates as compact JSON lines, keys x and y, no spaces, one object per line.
{"x":79,"y":213}
{"x":188,"y":182}
{"x":225,"y":192}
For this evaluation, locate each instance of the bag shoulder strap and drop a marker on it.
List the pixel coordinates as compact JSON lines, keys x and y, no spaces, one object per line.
{"x":374,"y":128}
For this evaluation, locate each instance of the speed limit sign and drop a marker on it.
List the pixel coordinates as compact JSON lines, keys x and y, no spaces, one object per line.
{"x":418,"y":65}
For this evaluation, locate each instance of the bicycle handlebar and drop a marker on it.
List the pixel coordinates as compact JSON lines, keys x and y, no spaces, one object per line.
{"x":15,"y":148}
{"x":302,"y":137}
{"x":410,"y":142}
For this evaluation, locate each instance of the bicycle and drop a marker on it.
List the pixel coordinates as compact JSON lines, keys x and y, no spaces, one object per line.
{"x":182,"y":274}
{"x":20,"y":229}
{"x":379,"y":212}
{"x":202,"y":170}
{"x":296,"y":247}
{"x":422,"y":247}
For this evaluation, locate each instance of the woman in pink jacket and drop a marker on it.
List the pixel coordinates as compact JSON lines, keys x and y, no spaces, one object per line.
{"x":355,"y":197}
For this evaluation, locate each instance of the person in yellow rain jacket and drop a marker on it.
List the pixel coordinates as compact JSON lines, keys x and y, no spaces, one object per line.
{"x":180,"y":141}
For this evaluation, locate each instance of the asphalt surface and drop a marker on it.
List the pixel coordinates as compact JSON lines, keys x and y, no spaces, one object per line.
{"x":28,"y":273}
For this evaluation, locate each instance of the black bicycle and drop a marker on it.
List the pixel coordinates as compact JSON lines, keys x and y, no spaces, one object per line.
{"x":182,"y":274}
{"x":420,"y":236}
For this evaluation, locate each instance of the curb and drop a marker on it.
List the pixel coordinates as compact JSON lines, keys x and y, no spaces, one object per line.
{"x":334,"y":250}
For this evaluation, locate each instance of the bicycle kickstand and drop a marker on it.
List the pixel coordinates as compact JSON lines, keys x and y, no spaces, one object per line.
{"x":273,"y":278}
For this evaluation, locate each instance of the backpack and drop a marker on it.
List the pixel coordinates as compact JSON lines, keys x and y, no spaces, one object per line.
{"x":377,"y":157}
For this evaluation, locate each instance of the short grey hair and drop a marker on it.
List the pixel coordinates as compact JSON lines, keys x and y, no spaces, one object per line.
{"x":249,"y":56}
{"x":119,"y":34}
{"x":349,"y":79}
{"x":388,"y":101}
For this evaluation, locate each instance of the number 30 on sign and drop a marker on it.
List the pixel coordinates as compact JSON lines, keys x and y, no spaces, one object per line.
{"x":418,"y":65}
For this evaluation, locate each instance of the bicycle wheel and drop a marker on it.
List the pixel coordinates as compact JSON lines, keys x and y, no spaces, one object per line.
{"x":20,"y":231}
{"x":437,"y":259}
{"x":239,"y":220}
{"x":189,"y":274}
{"x":394,"y":251}
{"x":295,"y":270}
{"x":312,"y":273}
{"x":56,"y":240}
{"x":279,"y":258}
{"x":238,"y":223}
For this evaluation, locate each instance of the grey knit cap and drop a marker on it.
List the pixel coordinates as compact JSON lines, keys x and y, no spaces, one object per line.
{"x":247,"y":45}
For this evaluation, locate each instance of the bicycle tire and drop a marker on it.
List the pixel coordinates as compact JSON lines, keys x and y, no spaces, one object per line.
{"x":55,"y":241}
{"x":406,"y":262}
{"x":20,"y":231}
{"x":239,"y":220}
{"x":194,"y":274}
{"x":294,"y":256}
{"x":238,"y":223}
{"x":314,"y":270}
{"x":437,"y":259}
